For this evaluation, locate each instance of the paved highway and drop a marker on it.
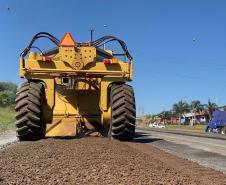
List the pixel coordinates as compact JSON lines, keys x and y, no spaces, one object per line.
{"x":206,"y":149}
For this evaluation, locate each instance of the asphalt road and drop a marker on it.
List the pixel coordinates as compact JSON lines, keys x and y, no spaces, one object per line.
{"x":208,"y":150}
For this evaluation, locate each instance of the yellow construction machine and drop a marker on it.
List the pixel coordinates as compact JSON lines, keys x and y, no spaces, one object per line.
{"x":74,"y":89}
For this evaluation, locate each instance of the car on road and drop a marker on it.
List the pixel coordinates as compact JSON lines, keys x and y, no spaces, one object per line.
{"x":156,"y":125}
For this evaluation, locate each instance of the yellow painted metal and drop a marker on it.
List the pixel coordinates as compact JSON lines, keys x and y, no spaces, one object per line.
{"x":22,"y":72}
{"x":114,"y":61}
{"x":76,"y":86}
{"x":56,"y":72}
{"x":39,"y":58}
{"x":61,"y":127}
{"x":131,"y":71}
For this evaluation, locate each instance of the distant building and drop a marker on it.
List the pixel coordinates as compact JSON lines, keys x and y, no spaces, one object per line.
{"x":197,"y":117}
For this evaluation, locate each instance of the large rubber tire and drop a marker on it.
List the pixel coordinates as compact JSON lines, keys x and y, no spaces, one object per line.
{"x":30,"y":97}
{"x":123,"y":114}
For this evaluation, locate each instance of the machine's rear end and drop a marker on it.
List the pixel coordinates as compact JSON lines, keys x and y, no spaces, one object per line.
{"x":75,"y":89}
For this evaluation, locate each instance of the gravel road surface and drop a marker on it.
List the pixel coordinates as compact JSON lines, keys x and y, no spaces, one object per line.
{"x":94,"y":160}
{"x":7,"y":138}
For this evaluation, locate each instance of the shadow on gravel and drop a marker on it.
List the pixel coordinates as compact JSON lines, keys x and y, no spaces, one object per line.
{"x":141,"y":137}
{"x":72,"y":137}
{"x":62,"y":137}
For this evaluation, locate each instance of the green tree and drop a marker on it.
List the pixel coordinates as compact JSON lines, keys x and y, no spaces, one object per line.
{"x":210,"y":107}
{"x":7,"y":98}
{"x":165,"y":115}
{"x":8,"y":86}
{"x":180,"y":108}
{"x":7,"y":93}
{"x":195,"y":106}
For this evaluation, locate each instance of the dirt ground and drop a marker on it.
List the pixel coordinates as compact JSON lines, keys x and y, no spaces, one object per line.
{"x":98,"y":161}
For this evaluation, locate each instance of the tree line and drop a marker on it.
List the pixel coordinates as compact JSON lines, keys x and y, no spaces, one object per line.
{"x":182,"y":107}
{"x":7,"y":94}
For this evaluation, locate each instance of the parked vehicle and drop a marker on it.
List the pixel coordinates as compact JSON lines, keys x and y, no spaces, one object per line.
{"x":217,"y":123}
{"x":156,"y":125}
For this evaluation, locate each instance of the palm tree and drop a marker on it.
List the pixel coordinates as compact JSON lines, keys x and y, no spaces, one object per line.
{"x":165,"y":115}
{"x":210,"y":107}
{"x":180,"y":108}
{"x":195,"y":106}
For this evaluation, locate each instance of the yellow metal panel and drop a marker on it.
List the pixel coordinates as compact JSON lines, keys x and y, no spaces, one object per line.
{"x":131,"y":71}
{"x":77,"y":58}
{"x":21,"y":72}
{"x":65,"y":102}
{"x":106,"y":116}
{"x":104,"y":95}
{"x":114,"y":61}
{"x":39,"y":58}
{"x":62,"y":127}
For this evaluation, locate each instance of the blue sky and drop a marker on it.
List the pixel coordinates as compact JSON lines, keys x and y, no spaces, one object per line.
{"x":179,"y":46}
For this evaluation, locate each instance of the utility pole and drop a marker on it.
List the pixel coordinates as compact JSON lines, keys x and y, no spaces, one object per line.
{"x":142,"y":109}
{"x":91,"y":34}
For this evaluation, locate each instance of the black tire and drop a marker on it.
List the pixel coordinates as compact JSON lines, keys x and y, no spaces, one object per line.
{"x":29,"y":102}
{"x":123,"y":114}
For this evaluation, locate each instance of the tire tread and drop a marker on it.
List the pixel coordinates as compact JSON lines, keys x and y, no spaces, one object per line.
{"x":29,"y":100}
{"x":123,"y":111}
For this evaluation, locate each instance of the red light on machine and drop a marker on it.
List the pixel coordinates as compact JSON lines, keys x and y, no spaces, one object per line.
{"x":67,"y":41}
{"x":107,"y":61}
{"x":47,"y":59}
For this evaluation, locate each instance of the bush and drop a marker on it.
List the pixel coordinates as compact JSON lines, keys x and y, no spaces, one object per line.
{"x":6,"y":118}
{"x":7,"y":94}
{"x":8,"y":86}
{"x":7,"y":98}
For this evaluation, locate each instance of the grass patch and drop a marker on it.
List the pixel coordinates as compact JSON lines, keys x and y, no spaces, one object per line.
{"x":187,"y":127}
{"x":7,"y":119}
